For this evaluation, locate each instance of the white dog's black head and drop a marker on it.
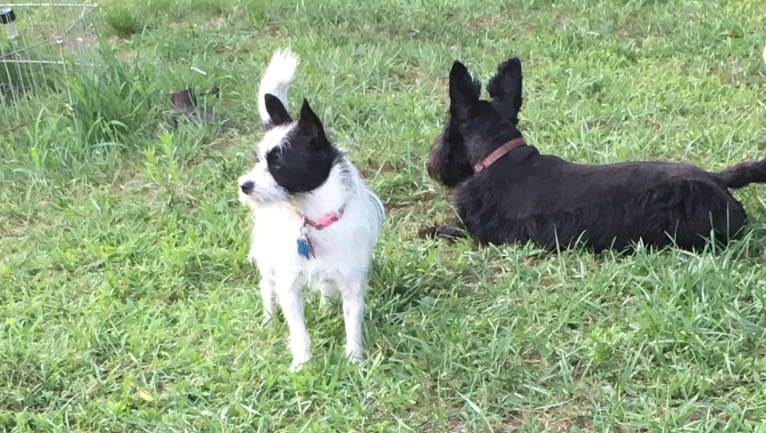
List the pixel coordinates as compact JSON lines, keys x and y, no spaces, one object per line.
{"x":475,"y":127}
{"x":293,"y":157}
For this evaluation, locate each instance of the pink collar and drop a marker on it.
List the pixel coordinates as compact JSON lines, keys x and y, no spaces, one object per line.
{"x":326,"y":221}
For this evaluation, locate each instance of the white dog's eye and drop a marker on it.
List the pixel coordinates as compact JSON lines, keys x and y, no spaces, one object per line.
{"x":274,"y":156}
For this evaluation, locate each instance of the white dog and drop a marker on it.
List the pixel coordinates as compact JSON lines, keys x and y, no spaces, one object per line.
{"x":315,"y":221}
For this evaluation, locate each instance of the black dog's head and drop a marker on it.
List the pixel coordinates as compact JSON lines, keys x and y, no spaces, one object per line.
{"x":475,"y":127}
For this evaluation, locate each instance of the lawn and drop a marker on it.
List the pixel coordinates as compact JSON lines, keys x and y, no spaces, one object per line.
{"x":126,"y":304}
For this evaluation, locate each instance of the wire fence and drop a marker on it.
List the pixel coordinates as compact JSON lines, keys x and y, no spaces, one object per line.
{"x":40,"y":43}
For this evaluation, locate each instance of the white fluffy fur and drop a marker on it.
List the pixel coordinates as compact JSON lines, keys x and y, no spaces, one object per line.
{"x":343,"y":250}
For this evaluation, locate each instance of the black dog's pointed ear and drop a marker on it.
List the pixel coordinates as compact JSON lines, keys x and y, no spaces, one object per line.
{"x":463,"y":90}
{"x":310,"y":125}
{"x":277,"y":111}
{"x":505,"y":86}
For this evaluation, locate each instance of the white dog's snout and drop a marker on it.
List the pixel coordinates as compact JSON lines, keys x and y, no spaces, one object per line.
{"x":247,"y":186}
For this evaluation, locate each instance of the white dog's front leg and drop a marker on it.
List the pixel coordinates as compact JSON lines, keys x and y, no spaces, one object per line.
{"x":353,"y":315}
{"x":291,"y":303}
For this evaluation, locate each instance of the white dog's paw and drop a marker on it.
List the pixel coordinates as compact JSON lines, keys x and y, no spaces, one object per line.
{"x":355,"y":355}
{"x":298,"y":363}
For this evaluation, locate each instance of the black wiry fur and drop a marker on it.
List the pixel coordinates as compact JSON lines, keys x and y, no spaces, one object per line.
{"x":527,"y":196}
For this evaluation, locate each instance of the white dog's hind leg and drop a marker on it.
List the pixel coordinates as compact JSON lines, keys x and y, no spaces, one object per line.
{"x":327,"y":290}
{"x":267,"y":297}
{"x":291,"y":303}
{"x":353,"y":316}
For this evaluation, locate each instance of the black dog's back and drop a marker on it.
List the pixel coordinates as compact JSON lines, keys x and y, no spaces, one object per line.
{"x":542,"y":198}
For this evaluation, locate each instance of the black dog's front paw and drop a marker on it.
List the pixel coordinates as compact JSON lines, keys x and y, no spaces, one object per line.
{"x":428,"y":232}
{"x":450,"y":232}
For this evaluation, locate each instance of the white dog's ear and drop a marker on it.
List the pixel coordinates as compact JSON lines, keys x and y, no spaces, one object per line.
{"x":463,"y":91}
{"x":277,"y":111}
{"x":310,"y":125}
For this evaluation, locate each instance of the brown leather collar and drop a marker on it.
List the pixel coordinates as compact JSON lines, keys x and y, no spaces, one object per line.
{"x":498,"y":153}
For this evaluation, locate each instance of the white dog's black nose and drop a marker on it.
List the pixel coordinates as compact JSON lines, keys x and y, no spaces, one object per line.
{"x":247,"y":187}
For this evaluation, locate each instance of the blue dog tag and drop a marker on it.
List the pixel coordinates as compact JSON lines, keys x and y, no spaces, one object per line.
{"x":304,"y":248}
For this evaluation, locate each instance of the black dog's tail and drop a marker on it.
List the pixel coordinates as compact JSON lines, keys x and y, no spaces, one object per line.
{"x":743,"y":174}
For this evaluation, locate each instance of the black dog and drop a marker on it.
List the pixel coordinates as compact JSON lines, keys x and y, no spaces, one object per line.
{"x":506,"y":191}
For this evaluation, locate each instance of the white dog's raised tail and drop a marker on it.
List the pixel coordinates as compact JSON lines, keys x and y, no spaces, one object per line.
{"x":276,"y":80}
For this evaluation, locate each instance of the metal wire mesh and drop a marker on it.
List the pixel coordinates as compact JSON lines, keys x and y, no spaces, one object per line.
{"x":39,"y":45}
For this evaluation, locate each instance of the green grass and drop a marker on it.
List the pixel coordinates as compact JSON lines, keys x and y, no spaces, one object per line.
{"x":126,"y":304}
